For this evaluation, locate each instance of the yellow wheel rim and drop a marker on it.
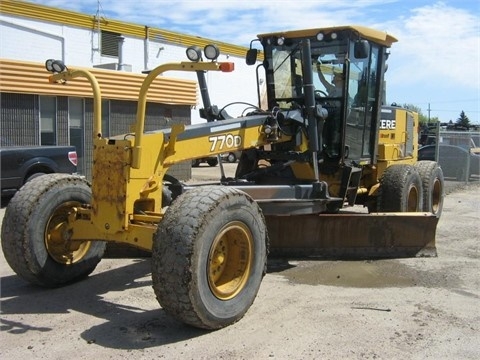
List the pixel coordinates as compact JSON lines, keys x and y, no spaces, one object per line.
{"x":412,"y":200}
{"x":229,"y":260}
{"x":57,"y":237}
{"x":436,"y":196}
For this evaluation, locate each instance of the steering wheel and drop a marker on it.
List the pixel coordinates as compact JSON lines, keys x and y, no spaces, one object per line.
{"x":320,"y":93}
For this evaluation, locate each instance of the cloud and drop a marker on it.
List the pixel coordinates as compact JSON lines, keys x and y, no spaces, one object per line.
{"x":438,"y":43}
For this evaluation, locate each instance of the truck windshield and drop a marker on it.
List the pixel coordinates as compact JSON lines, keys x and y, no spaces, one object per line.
{"x":327,"y":62}
{"x":288,"y":73}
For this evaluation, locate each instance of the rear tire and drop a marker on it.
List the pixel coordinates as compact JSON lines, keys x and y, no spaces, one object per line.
{"x":209,"y":256}
{"x":33,"y":230}
{"x":400,"y":189}
{"x":433,"y":185}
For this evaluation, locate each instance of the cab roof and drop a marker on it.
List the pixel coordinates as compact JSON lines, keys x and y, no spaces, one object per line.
{"x":379,"y":37}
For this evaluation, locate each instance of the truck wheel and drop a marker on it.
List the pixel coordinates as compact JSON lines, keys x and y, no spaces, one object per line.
{"x":209,"y":256}
{"x":33,"y":176}
{"x":433,"y":185}
{"x":212,"y":162}
{"x":231,"y":158}
{"x":400,"y":189}
{"x":35,"y":227}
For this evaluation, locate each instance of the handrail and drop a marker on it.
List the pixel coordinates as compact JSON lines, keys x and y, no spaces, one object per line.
{"x":142,"y":98}
{"x":69,"y":74}
{"x":97,"y":94}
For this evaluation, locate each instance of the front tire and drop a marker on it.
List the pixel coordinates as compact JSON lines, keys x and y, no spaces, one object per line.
{"x":35,"y":228}
{"x":400,"y":189}
{"x":209,"y":256}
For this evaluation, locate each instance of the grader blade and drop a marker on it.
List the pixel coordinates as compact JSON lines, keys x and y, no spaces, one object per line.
{"x":353,"y":236}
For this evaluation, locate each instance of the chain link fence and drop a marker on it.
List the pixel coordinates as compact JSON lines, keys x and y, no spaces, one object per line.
{"x":457,"y":152}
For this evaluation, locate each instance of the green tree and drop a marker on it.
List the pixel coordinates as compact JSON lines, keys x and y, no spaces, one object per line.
{"x":463,"y":120}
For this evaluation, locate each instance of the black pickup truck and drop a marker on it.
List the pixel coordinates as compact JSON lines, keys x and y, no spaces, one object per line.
{"x":21,"y":164}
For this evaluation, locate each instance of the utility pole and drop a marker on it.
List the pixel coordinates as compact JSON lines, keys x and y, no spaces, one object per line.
{"x":428,"y":119}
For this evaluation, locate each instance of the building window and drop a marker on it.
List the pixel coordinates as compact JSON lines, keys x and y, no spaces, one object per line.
{"x":76,"y":130}
{"x":110,"y":43}
{"x":48,"y":120}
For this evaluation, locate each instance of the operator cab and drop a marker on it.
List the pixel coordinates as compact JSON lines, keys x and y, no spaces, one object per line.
{"x":341,"y":70}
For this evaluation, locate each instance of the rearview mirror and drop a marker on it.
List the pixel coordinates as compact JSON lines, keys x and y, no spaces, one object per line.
{"x":251,"y":57}
{"x":361,"y":49}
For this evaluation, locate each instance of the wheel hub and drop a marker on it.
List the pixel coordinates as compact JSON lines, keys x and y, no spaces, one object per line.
{"x":58,"y":235}
{"x":230,"y":260}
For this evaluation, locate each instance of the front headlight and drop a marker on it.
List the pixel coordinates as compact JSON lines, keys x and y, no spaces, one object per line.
{"x":194,"y":53}
{"x":211,"y":52}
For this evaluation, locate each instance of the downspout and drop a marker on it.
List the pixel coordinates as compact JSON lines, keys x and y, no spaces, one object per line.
{"x":121,"y":40}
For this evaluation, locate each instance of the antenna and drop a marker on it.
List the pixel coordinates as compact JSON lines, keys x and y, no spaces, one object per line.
{"x":98,"y":19}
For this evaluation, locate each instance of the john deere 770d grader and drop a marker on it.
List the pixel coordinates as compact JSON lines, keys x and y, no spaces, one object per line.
{"x":311,"y":156}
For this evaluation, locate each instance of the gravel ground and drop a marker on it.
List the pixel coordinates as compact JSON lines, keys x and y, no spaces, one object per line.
{"x":423,"y":308}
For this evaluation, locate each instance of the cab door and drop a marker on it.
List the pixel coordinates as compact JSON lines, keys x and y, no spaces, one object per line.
{"x":364,"y":83}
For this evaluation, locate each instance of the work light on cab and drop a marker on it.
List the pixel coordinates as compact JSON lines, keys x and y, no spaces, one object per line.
{"x":194,"y":53}
{"x":211,"y":52}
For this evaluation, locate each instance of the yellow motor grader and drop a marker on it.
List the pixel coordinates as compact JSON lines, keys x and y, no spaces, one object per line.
{"x":325,"y":171}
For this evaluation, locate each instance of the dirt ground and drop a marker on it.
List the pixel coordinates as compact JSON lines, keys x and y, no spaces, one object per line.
{"x":423,"y":308}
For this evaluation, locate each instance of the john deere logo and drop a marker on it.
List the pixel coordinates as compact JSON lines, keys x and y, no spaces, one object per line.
{"x":387,"y":124}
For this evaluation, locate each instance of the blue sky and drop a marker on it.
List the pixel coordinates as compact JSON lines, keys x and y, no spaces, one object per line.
{"x":435,"y":64}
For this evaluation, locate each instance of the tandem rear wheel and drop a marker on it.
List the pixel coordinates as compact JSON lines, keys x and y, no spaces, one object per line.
{"x":412,"y":188}
{"x":209,"y":256}
{"x":433,"y":184}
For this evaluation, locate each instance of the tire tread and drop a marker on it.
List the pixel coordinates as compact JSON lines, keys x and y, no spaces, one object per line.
{"x":393,"y":185}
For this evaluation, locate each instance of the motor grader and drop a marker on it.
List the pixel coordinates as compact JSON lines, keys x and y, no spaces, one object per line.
{"x":321,"y":174}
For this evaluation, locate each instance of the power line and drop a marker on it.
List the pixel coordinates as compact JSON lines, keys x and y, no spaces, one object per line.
{"x":448,"y":101}
{"x":455,"y":101}
{"x":445,"y":110}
